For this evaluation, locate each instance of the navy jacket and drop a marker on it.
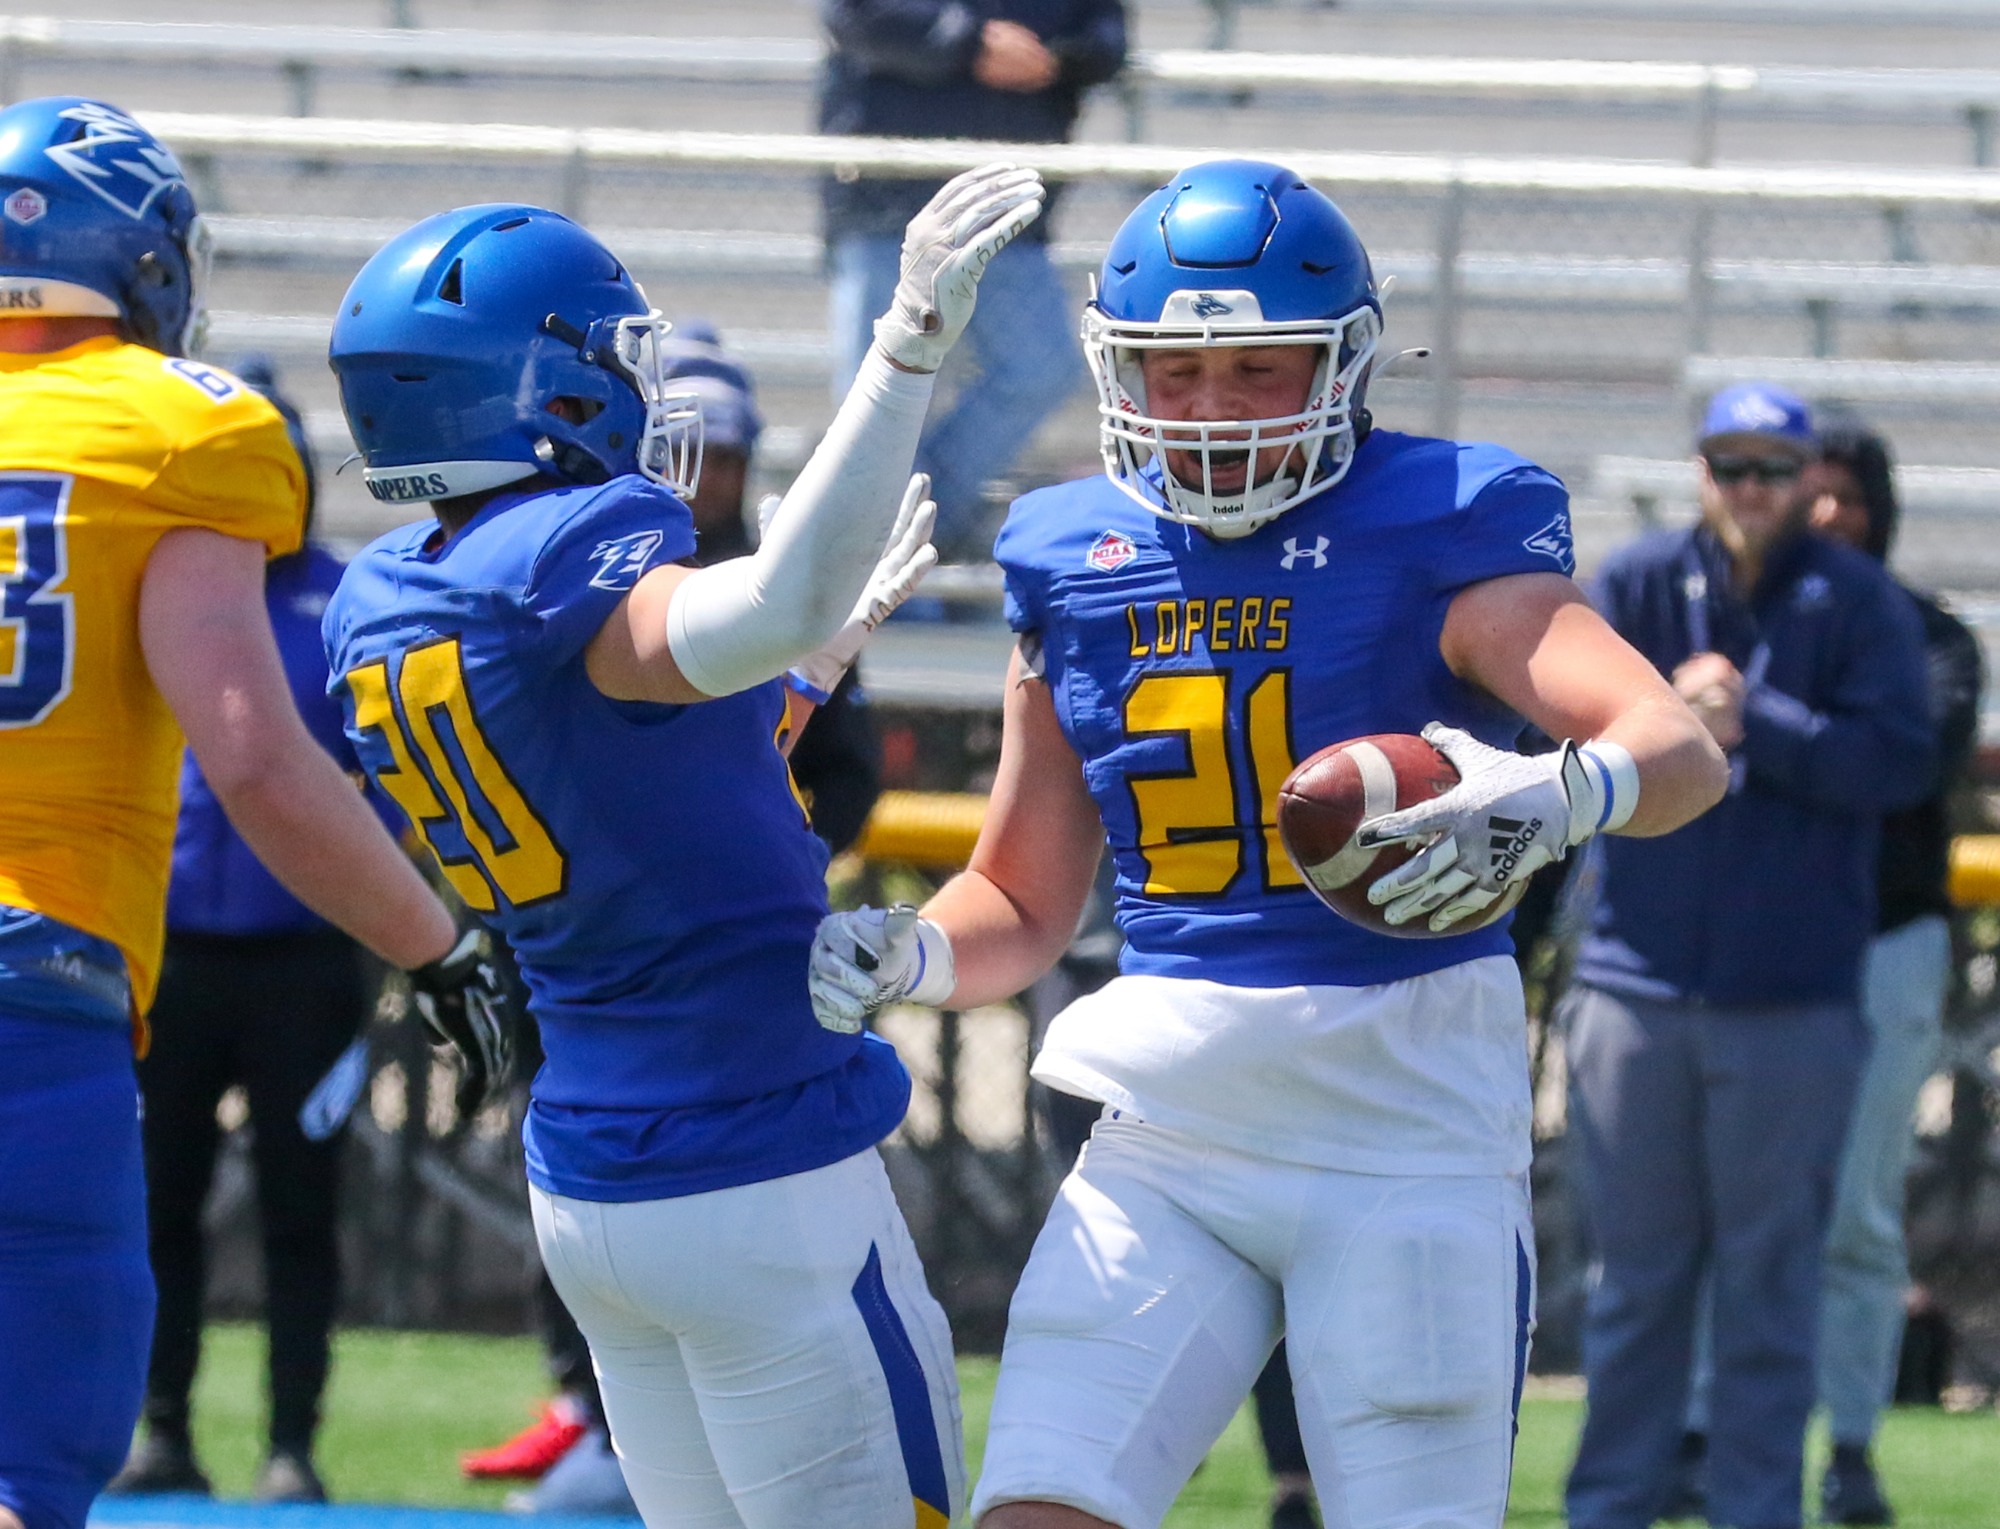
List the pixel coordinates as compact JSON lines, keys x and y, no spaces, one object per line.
{"x":219,"y":886}
{"x":903,"y":69}
{"x":1769,"y":898}
{"x":1916,"y":842}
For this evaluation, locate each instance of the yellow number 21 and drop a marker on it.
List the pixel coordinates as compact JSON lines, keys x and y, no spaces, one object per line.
{"x":523,"y":861}
{"x":1187,"y":819}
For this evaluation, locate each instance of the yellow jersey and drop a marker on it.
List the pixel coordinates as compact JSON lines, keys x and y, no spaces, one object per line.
{"x":104,"y":448}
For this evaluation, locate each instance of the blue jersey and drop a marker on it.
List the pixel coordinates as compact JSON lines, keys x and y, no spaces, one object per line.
{"x":1190,"y":674}
{"x":651,"y":865}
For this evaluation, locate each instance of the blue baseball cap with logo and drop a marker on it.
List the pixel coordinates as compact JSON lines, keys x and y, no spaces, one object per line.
{"x":1762,"y":410}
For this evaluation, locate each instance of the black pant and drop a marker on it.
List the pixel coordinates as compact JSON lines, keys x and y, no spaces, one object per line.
{"x":272,"y":1013}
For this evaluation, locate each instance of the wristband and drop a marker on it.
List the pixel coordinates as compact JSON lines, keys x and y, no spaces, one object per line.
{"x":1616,"y":775}
{"x":797,"y":679}
{"x":937,"y":971}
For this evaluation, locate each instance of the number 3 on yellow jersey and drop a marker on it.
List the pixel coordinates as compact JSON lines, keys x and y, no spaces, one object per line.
{"x":37,"y":619}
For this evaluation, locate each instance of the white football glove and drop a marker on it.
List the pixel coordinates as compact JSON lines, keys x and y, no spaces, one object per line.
{"x":945,"y":251}
{"x":1509,"y":815}
{"x":865,"y":960}
{"x":908,"y":556}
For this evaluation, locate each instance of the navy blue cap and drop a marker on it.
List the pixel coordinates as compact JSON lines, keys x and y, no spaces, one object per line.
{"x":697,"y":362}
{"x":1760,"y":408}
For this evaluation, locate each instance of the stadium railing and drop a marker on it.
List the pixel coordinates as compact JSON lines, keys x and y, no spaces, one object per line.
{"x":1448,"y":276}
{"x":303,"y":53}
{"x":199,"y":133}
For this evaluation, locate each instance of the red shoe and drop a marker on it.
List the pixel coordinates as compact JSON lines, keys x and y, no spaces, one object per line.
{"x":529,"y":1454}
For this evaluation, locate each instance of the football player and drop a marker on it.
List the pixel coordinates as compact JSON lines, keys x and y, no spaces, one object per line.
{"x":1310,"y":1128}
{"x":588,"y":733}
{"x":140,"y":493}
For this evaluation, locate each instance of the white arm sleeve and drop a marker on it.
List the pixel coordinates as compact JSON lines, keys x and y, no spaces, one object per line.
{"x":740,"y":623}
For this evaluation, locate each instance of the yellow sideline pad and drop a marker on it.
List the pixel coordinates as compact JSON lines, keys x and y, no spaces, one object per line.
{"x":1975,"y":870}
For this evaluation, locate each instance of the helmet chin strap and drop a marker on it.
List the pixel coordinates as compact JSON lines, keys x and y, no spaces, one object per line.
{"x":1228,"y":517}
{"x":1227,"y":525}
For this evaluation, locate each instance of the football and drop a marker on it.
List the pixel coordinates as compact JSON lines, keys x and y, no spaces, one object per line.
{"x":1330,"y":795}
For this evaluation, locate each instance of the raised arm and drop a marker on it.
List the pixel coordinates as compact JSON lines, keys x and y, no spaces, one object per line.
{"x":688,"y":634}
{"x":1000,"y":924}
{"x":208,"y":643}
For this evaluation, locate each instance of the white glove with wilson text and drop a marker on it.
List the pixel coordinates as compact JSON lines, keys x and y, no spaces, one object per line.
{"x":868,"y":959}
{"x":908,"y":556}
{"x":945,"y":251}
{"x":1509,"y":815}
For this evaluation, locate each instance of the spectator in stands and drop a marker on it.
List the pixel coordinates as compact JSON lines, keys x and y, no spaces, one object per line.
{"x":257,"y":992}
{"x":1904,"y":982}
{"x":1006,"y":70}
{"x":1715,"y":1041}
{"x":837,"y":764}
{"x":1905,"y":979}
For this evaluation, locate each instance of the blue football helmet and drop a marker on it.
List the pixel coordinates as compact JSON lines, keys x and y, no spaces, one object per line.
{"x":504,"y":342}
{"x":97,"y":221}
{"x":1232,"y":252}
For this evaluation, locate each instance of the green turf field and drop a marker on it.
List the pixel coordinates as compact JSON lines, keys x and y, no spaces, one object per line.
{"x":403,"y":1405}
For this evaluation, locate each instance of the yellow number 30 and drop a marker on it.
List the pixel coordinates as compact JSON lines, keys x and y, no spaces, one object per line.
{"x":523,"y":862}
{"x":1189,"y":833}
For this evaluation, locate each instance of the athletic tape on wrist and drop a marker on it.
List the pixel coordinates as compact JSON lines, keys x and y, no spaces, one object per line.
{"x":1617,"y":775}
{"x":802,"y":682}
{"x":937,"y":971}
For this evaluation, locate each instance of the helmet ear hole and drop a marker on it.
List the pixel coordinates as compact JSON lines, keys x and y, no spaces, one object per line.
{"x":574,"y":410}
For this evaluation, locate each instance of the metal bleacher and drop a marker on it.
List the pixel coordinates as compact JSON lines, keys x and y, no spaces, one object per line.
{"x":1801,"y":192}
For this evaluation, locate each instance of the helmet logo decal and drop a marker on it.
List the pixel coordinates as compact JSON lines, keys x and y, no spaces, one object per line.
{"x":1208,"y":306}
{"x":27,"y":205}
{"x":1111,"y":552}
{"x":116,"y":158}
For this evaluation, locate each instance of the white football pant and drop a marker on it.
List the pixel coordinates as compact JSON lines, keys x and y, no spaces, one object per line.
{"x":770,"y":1356}
{"x":1162,"y":1280}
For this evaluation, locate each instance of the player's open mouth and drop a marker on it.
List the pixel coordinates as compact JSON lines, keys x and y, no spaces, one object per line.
{"x":1228,"y":469}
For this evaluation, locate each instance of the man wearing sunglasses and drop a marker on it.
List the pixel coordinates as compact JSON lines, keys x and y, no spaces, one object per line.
{"x":1715,"y":1041}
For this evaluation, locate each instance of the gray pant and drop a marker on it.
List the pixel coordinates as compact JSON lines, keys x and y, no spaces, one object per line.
{"x":1903,"y":990}
{"x":1904,"y":982}
{"x":1710,"y":1140}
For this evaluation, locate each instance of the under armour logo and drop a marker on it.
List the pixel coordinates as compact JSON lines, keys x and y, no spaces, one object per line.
{"x":1208,"y":306}
{"x":1293,"y":552}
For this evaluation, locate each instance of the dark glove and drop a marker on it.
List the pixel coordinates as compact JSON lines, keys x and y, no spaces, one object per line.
{"x":468,"y":1004}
